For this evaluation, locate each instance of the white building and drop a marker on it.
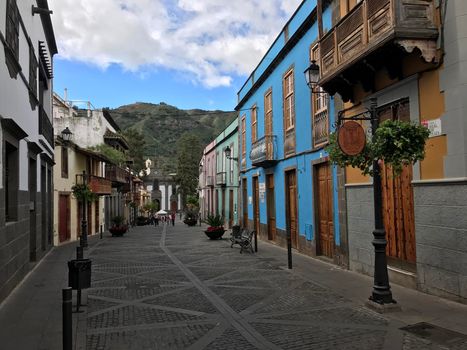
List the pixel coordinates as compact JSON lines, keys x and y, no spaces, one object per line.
{"x":26,"y":137}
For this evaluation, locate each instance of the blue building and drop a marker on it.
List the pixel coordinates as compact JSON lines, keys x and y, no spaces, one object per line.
{"x":286,"y":181}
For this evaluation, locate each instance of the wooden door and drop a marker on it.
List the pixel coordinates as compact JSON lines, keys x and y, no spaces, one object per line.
{"x":291,"y":206}
{"x":256,"y":205}
{"x":63,"y":217}
{"x":271,"y":207}
{"x":32,"y":210}
{"x":245,"y":203}
{"x":324,"y":214}
{"x":398,"y":213}
{"x":96,"y":216}
{"x":398,"y":203}
{"x":231,"y":207}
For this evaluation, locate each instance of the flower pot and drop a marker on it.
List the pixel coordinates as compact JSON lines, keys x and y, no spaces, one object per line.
{"x":118,"y":231}
{"x":214,"y":234}
{"x":190,"y":222}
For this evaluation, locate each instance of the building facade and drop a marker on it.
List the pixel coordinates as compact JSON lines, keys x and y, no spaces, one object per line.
{"x":26,"y":138}
{"x":409,"y":56}
{"x":113,"y":184}
{"x":287,"y":184}
{"x":226,"y":183}
{"x":208,"y":168}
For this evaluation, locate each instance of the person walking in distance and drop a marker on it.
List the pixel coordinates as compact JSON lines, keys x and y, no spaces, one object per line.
{"x":172,"y":216}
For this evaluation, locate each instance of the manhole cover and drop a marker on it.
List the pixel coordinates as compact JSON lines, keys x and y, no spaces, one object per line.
{"x":435,"y":334}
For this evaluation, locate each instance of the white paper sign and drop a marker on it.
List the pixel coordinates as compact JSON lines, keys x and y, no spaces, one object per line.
{"x":434,"y":126}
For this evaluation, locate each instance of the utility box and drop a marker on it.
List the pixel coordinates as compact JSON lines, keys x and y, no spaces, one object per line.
{"x":79,"y":274}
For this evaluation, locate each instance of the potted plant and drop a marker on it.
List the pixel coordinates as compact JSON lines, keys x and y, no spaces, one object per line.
{"x":141,"y":220}
{"x":190,"y":219}
{"x":215,"y":229}
{"x":118,"y":227}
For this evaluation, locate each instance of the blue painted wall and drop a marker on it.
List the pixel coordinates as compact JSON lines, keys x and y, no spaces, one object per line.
{"x":298,"y":58}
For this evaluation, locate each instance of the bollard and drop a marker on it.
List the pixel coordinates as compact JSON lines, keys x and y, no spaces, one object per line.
{"x":67,"y":327}
{"x":79,"y":253}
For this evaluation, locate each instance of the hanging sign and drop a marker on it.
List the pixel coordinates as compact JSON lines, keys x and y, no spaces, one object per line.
{"x":351,"y":138}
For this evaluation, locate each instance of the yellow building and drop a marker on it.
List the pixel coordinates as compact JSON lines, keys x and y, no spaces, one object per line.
{"x":409,"y":55}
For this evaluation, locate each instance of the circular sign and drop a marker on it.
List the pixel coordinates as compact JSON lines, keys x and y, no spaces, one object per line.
{"x":351,"y":138}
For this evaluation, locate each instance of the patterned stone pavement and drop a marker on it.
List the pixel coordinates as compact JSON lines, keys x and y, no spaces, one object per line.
{"x":172,"y":288}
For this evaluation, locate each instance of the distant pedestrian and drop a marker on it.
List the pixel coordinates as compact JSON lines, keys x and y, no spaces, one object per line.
{"x":180,"y":215}
{"x":156,"y":220}
{"x":173,"y":218}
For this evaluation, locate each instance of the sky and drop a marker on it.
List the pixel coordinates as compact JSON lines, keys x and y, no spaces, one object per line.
{"x":187,"y":53}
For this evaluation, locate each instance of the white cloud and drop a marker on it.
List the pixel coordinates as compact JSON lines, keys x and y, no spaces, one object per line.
{"x":209,"y":39}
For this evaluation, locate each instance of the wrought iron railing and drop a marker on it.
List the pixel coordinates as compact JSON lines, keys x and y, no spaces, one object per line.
{"x":264,"y":150}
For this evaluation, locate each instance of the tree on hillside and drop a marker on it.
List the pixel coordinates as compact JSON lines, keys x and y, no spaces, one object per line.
{"x":137,"y":145}
{"x":189,"y":151}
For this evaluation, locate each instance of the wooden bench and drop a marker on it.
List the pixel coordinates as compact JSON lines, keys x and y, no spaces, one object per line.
{"x":243,"y":238}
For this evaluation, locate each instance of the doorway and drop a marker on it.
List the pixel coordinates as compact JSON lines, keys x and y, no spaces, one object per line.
{"x":291,"y":206}
{"x":231,"y":207}
{"x":63,"y":217}
{"x":245,"y":203}
{"x":256,"y":223}
{"x":271,"y":206}
{"x":32,"y":209}
{"x":324,"y":210}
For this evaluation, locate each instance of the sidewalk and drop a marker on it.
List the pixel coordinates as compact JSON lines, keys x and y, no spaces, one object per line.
{"x":171,"y":288}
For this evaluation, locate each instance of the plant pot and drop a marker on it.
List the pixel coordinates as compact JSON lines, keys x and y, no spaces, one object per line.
{"x":190,"y":222}
{"x":118,"y":231}
{"x":217,"y":234}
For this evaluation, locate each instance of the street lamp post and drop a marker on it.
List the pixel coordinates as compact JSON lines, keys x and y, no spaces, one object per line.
{"x":83,"y":239}
{"x":381,"y":293}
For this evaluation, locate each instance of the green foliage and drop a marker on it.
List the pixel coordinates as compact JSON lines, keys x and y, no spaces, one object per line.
{"x":189,"y":151}
{"x":192,"y":201}
{"x":214,"y":220}
{"x":118,"y":220}
{"x":115,"y":156}
{"x":395,"y":142}
{"x":162,"y":125}
{"x":137,"y":146}
{"x":150,"y":207}
{"x":83,"y":192}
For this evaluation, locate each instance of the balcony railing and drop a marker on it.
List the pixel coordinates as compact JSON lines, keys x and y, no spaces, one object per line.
{"x":369,"y":26}
{"x":221,"y":179}
{"x":116,"y":174}
{"x":264,"y":151}
{"x":100,"y":185}
{"x":45,"y":126}
{"x":210,"y":180}
{"x":320,"y":128}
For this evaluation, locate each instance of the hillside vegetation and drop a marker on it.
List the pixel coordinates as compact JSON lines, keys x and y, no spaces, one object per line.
{"x":162,"y":125}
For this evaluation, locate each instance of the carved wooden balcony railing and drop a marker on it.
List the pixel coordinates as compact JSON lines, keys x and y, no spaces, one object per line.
{"x":264,"y":152}
{"x":45,"y":126}
{"x":116,"y":174}
{"x":221,"y":179}
{"x":100,"y":185}
{"x":364,"y":34}
{"x":320,"y":129}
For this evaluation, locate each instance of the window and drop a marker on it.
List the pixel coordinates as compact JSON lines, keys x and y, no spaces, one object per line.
{"x":32,"y":71}
{"x":11,"y":182}
{"x":268,"y":113}
{"x":243,"y":137}
{"x":64,"y":162}
{"x":254,"y":124}
{"x":289,"y":108}
{"x":232,"y":163}
{"x":320,"y":122}
{"x":12,"y":27}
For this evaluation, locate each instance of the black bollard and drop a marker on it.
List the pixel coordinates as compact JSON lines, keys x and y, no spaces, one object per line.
{"x":67,"y":327}
{"x":79,"y":253}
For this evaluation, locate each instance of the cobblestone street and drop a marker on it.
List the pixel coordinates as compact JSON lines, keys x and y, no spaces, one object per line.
{"x":172,"y":288}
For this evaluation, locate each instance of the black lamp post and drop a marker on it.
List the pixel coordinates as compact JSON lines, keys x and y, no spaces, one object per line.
{"x":381,"y":293}
{"x":228,"y":153}
{"x":66,"y":134}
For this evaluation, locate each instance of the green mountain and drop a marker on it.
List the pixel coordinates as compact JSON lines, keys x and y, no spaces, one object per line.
{"x":162,"y":125}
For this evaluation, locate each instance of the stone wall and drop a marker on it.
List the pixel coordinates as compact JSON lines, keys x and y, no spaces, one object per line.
{"x":360,"y":225}
{"x":441,"y":238}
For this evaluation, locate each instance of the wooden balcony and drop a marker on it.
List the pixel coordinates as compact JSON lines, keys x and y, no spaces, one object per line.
{"x":100,"y":185}
{"x":375,"y":34}
{"x":210,"y":181}
{"x":221,"y":179}
{"x":116,"y":174}
{"x":264,"y":152}
{"x":45,"y":126}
